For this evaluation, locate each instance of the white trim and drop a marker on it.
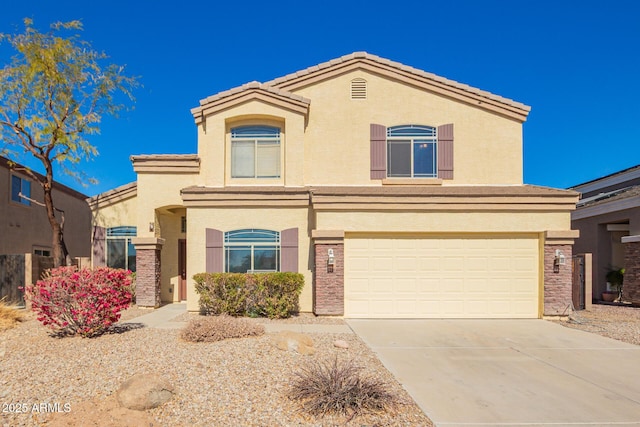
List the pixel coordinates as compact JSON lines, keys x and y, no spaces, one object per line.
{"x":631,"y":239}
{"x":605,"y":208}
{"x":618,"y":227}
{"x":607,"y":181}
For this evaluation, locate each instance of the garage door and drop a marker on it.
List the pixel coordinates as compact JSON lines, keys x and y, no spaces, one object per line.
{"x":441,"y":277}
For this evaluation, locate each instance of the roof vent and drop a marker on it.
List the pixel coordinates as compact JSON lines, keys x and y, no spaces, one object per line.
{"x":358,"y":89}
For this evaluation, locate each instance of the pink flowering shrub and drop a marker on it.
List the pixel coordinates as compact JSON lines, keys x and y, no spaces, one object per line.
{"x":84,"y":302}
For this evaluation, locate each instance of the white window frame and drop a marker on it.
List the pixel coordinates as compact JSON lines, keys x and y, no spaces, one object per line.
{"x":413,"y":135}
{"x":270,"y":239}
{"x":261,"y":136}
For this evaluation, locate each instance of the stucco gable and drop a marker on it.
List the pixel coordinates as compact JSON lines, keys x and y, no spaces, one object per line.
{"x":247,"y":92}
{"x":401,"y":72}
{"x":280,"y":91}
{"x":113,"y":196}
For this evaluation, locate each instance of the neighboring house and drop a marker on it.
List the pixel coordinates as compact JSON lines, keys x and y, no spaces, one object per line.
{"x":608,"y":218}
{"x":24,"y":226}
{"x":395,"y":192}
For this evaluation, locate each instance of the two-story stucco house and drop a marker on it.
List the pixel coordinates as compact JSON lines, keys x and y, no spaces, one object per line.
{"x":395,"y":192}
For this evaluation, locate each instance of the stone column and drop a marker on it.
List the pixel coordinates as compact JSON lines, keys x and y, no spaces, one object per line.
{"x":148,"y":251}
{"x":631,"y":282}
{"x":328,"y":279}
{"x":558,"y":277}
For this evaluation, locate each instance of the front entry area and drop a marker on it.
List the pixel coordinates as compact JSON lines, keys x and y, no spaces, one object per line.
{"x":182,"y":269}
{"x":442,"y":276}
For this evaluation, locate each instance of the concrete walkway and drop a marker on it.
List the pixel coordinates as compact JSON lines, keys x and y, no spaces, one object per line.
{"x":521,"y":373}
{"x":163,"y":318}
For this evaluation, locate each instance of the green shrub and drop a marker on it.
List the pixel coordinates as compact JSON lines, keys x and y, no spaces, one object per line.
{"x":218,"y":328}
{"x":334,"y":387}
{"x":273,"y":295}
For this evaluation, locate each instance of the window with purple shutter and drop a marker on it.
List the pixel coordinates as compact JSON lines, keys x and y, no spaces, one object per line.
{"x":289,"y":250}
{"x":445,"y":151}
{"x":98,"y":250}
{"x":214,"y":251}
{"x":378,"y":151}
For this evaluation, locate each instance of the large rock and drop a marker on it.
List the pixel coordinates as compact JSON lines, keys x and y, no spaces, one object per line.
{"x":294,"y":341}
{"x":144,"y":391}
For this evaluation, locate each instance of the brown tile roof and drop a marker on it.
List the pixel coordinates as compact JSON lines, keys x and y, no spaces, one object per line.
{"x":277,"y":86}
{"x":360,"y":56}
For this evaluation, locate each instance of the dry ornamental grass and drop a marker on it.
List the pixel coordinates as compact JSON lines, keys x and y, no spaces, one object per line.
{"x":218,"y":328}
{"x":339,"y":387}
{"x":9,"y":316}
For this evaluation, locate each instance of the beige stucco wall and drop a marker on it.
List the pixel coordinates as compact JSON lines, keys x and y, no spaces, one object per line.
{"x":214,"y":143}
{"x":452,"y":222}
{"x":25,"y":228}
{"x":199,"y":219}
{"x":121,"y":213}
{"x":487,"y":147}
{"x":159,"y":191}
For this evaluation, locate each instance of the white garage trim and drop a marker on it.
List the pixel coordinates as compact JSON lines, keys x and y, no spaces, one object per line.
{"x":442,"y":276}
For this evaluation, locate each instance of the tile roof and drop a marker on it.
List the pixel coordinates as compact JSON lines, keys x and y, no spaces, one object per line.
{"x":273,"y":86}
{"x":399,"y":66}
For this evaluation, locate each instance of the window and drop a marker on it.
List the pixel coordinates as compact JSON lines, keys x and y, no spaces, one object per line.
{"x":251,"y":250}
{"x":42,"y":252}
{"x":255,"y":152}
{"x":120,"y":251}
{"x":412,"y":151}
{"x":20,"y":186}
{"x":183,"y":224}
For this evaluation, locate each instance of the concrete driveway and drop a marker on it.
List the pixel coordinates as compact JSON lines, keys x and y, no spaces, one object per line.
{"x":509,"y":372}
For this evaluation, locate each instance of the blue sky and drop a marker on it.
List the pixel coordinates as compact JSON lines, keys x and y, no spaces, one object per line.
{"x":577,"y":64}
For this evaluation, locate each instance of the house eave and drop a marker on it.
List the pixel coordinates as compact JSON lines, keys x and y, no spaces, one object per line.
{"x":166,"y":163}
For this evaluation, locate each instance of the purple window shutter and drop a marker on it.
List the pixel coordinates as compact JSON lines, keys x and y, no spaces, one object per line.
{"x":214,"y":251}
{"x":378,"y":151}
{"x":289,"y":250}
{"x":99,"y":246}
{"x":445,"y":151}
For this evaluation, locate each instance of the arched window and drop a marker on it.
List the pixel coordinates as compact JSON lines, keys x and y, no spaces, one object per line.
{"x":255,"y":152}
{"x":120,"y":251}
{"x":412,"y":151}
{"x":251,"y":250}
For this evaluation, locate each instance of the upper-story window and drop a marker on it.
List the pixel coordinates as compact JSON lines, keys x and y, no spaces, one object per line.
{"x":251,"y":250}
{"x":412,"y":151}
{"x":255,"y":152}
{"x":20,"y":186}
{"x":121,"y":253}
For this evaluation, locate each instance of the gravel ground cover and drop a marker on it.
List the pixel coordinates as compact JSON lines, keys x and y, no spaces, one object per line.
{"x":239,"y":382}
{"x":613,"y":321}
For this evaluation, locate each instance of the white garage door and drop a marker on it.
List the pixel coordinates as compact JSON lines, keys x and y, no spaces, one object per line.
{"x":443,"y":277}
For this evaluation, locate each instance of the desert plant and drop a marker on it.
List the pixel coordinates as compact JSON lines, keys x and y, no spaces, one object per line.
{"x":218,"y":328}
{"x":84,"y":302}
{"x":334,"y":387}
{"x":9,"y":315}
{"x":273,"y":295}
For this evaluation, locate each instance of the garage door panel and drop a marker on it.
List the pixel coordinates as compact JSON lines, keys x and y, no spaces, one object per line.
{"x":441,"y":277}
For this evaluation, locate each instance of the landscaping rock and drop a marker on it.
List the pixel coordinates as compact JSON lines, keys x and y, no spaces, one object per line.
{"x":294,"y":341}
{"x":144,"y":391}
{"x":341,"y":344}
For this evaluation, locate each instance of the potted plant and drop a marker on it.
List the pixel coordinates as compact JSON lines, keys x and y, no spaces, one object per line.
{"x":614,"y":277}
